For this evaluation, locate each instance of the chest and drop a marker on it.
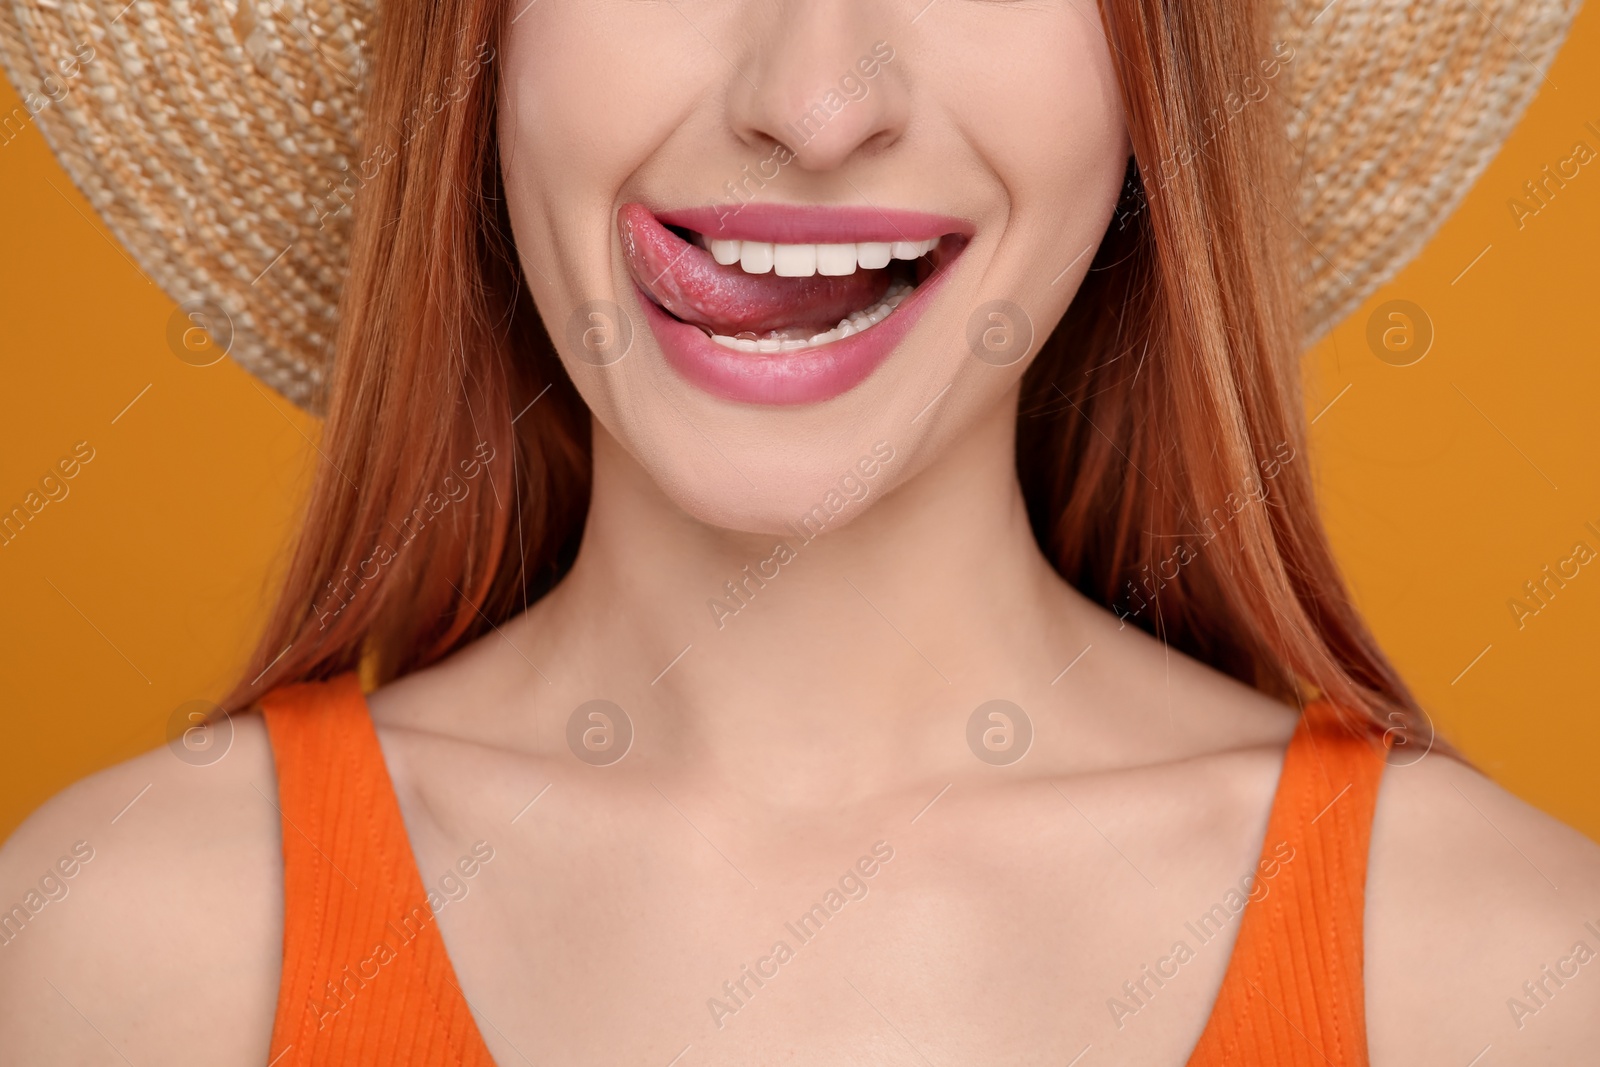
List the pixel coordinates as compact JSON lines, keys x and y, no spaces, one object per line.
{"x":1017,"y":923}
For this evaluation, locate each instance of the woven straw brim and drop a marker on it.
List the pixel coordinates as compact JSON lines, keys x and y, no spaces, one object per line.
{"x":212,"y":138}
{"x":1398,"y":108}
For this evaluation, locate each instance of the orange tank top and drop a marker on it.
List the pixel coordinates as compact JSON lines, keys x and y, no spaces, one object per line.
{"x":367,"y":982}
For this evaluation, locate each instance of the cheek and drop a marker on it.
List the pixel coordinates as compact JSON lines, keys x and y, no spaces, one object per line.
{"x":589,"y":95}
{"x":571,"y":91}
{"x":585,"y":98}
{"x":1041,"y":110}
{"x":1071,"y":106}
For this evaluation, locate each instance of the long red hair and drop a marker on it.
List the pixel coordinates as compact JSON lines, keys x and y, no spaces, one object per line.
{"x":1161,"y":432}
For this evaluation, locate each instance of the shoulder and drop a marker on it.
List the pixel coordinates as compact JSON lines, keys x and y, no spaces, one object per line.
{"x":1482,"y":925}
{"x":141,"y":908}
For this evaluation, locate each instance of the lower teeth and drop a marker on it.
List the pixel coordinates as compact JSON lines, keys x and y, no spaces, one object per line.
{"x":854,"y":324}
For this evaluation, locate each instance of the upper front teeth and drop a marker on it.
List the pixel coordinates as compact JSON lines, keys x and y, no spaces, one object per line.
{"x":802,"y":261}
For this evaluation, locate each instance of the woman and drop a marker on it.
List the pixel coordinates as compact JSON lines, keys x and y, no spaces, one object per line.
{"x":887,"y":621}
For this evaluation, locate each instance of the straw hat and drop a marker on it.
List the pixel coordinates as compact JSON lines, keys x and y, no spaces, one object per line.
{"x":210,"y":136}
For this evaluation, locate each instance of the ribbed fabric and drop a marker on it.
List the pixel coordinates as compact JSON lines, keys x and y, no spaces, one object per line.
{"x":366,"y":981}
{"x":1294,"y":995}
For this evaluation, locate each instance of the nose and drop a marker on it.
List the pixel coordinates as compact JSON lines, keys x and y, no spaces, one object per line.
{"x":819,"y":81}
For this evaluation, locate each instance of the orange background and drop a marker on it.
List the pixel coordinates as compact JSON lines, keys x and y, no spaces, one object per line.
{"x":1447,"y":484}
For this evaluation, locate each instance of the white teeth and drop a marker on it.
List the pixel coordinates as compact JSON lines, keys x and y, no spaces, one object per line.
{"x":874,"y":255}
{"x":835,"y":260}
{"x":794,"y":261}
{"x":803,"y":261}
{"x":849,"y":325}
{"x":755,"y":257}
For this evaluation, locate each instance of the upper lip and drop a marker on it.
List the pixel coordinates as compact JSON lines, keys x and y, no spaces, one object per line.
{"x":810,"y":224}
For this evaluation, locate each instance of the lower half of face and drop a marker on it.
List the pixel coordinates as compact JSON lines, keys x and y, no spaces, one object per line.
{"x":772,"y":240}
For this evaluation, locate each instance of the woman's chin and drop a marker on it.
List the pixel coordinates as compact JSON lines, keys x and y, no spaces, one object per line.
{"x":803,"y":508}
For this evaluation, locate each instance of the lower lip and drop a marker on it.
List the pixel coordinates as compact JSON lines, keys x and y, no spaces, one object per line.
{"x":807,"y":376}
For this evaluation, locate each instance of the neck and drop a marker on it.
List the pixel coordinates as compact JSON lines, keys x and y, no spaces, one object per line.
{"x":821,"y":662}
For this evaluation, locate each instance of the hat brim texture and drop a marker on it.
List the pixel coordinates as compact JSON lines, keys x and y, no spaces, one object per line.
{"x":1397,"y":108}
{"x":219,"y":141}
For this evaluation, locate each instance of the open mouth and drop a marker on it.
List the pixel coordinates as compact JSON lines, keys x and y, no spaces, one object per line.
{"x":763,"y":296}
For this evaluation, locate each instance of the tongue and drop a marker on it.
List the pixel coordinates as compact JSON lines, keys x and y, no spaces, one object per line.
{"x":684,"y":279}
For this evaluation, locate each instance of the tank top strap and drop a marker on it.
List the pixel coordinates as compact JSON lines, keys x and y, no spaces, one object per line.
{"x":1294,"y":994}
{"x":366,"y":980}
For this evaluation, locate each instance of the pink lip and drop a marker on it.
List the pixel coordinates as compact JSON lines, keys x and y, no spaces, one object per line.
{"x":811,"y":375}
{"x":795,"y":224}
